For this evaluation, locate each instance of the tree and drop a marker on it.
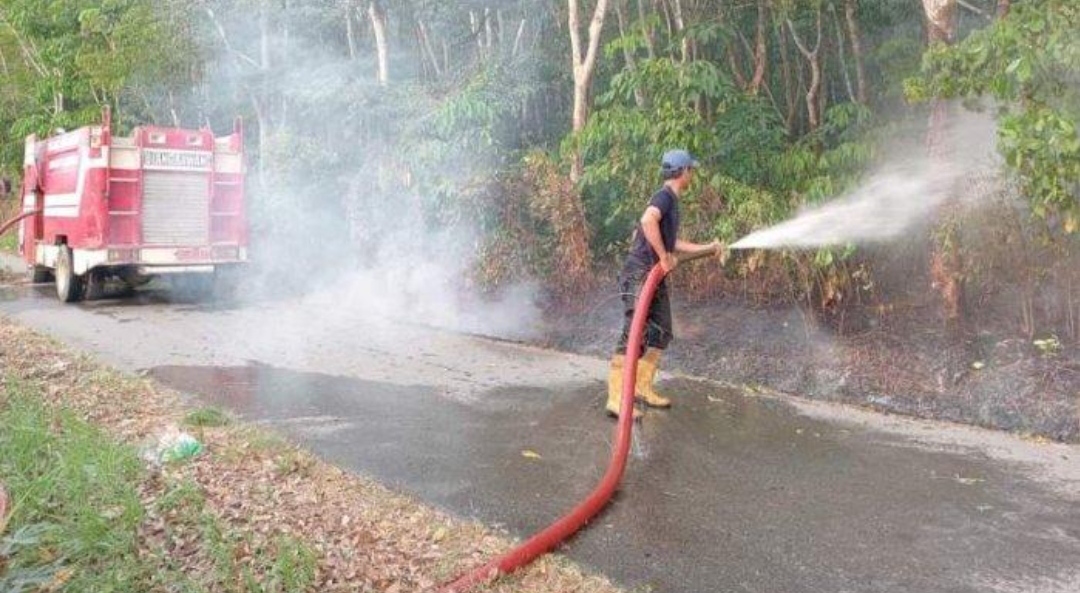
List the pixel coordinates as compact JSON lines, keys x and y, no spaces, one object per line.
{"x":850,"y":8}
{"x":1026,"y":61}
{"x":813,"y":59}
{"x":378,"y":26}
{"x":584,"y":64}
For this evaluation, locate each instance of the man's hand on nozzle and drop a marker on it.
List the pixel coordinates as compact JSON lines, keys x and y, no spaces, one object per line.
{"x":668,"y":262}
{"x":720,"y":250}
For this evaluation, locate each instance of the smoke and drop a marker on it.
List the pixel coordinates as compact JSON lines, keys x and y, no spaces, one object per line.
{"x":424,"y":279}
{"x":357,"y":201}
{"x":897,"y":197}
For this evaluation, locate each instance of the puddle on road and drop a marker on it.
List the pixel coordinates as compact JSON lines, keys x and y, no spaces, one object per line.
{"x":264,"y":392}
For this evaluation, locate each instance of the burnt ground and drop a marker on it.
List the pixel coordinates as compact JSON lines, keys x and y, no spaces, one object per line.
{"x":897,"y":361}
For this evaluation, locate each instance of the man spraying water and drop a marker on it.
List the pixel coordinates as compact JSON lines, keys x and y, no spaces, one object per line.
{"x":655,"y":241}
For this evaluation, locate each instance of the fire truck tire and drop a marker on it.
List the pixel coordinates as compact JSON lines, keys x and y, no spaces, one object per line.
{"x":68,"y":284}
{"x":38,"y":274}
{"x":94,"y":285}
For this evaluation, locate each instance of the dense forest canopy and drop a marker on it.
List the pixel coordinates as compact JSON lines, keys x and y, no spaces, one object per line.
{"x":536,"y":126}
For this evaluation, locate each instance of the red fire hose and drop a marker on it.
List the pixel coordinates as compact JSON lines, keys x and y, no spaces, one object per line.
{"x":7,"y":225}
{"x":574,"y":520}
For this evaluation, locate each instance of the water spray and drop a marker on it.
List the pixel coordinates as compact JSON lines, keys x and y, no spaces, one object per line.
{"x":571,"y":522}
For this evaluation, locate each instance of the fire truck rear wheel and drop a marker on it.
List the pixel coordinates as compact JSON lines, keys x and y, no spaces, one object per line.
{"x":68,"y":284}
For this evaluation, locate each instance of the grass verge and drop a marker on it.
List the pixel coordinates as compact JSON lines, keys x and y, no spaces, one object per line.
{"x":252,"y":513}
{"x":88,"y":515}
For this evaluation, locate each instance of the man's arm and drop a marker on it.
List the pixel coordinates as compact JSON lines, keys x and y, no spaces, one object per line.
{"x":690,"y":247}
{"x":650,"y":225}
{"x":717,"y":247}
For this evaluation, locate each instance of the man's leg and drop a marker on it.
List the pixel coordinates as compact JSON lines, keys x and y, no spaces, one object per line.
{"x":629,"y":287}
{"x":658,"y":335}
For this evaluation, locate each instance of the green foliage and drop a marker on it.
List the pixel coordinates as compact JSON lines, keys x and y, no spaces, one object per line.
{"x":75,"y":494}
{"x":1027,"y":62}
{"x":9,"y":241}
{"x":66,"y":60}
{"x":752,"y":175}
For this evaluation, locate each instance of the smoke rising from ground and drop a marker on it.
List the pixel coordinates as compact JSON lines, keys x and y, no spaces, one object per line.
{"x":357,"y":203}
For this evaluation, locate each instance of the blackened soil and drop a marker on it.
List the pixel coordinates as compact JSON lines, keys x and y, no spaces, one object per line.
{"x":902,"y":361}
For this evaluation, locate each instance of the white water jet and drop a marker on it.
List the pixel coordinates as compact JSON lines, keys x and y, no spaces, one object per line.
{"x":882,"y":209}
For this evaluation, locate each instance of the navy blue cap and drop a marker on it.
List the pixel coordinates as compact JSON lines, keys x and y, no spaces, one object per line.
{"x":677,"y":160}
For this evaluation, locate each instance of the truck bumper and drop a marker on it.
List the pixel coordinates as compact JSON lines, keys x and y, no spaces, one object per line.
{"x":148,"y":260}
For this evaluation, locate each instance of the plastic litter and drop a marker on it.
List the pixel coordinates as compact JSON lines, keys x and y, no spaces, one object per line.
{"x":172,"y":446}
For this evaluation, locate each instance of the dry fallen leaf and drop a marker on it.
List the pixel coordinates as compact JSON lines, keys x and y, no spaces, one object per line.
{"x":530,"y":454}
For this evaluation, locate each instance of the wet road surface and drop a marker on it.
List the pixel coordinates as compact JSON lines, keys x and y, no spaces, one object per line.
{"x":726,"y":492}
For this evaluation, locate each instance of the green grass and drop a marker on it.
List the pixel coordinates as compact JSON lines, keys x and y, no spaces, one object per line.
{"x":76,"y":514}
{"x":208,"y":417}
{"x":9,"y":241}
{"x":74,"y":490}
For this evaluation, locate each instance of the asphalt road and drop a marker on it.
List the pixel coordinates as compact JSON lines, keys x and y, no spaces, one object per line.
{"x":729,"y":491}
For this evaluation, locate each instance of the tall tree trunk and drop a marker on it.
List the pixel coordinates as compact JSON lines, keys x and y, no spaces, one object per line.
{"x":382,"y":52}
{"x":790,"y":100}
{"x":862,"y":92}
{"x":680,"y":28}
{"x":350,"y":29}
{"x":264,"y":38}
{"x":940,"y":20}
{"x":760,"y":49}
{"x":620,"y":20}
{"x":285,"y":51}
{"x":427,"y":50}
{"x":628,"y":52}
{"x":584,"y":63}
{"x":261,"y":98}
{"x":813,"y":59}
{"x":946,"y":265}
{"x":575,"y":234}
{"x":842,"y":55}
{"x":518,"y":38}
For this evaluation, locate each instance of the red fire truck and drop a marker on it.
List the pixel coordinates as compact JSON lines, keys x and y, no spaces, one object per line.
{"x":162,"y":201}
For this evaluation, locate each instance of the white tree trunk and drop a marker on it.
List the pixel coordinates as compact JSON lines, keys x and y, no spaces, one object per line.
{"x":813,"y":108}
{"x":378,"y":26}
{"x":584,"y":65}
{"x":350,"y":31}
{"x":940,"y":20}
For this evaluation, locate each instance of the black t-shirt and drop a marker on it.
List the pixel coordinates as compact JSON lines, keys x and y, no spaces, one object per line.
{"x":641,"y":253}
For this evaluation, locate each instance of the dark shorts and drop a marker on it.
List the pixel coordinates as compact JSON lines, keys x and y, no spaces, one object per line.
{"x":658,"y":333}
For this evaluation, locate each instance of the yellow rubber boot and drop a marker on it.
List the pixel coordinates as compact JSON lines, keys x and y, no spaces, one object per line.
{"x":615,"y":384}
{"x":647,"y":370}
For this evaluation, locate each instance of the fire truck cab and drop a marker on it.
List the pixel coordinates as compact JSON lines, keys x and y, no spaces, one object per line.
{"x":162,"y":201}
